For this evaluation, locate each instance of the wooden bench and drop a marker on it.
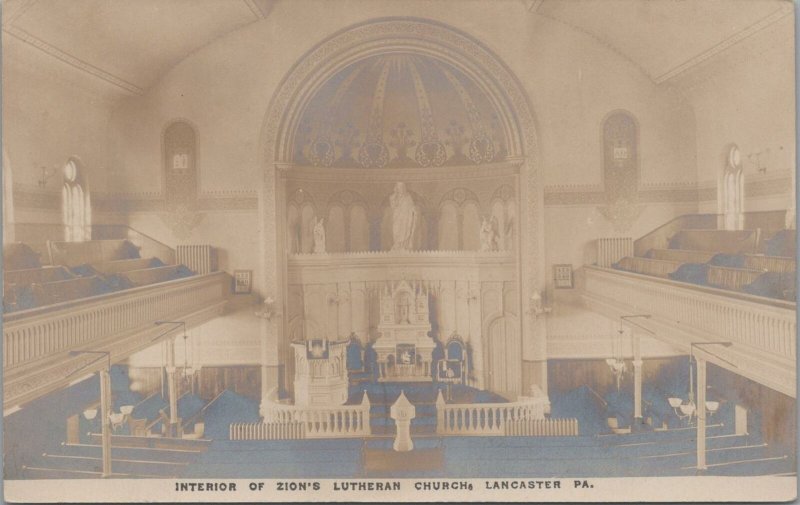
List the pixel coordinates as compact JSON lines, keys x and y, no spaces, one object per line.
{"x":647,"y":266}
{"x":147,"y":276}
{"x":94,"y":251}
{"x":681,"y":255}
{"x":770,"y":263}
{"x":36,"y":275}
{"x":18,"y":256}
{"x":122,"y":266}
{"x":71,"y":289}
{"x":720,"y":241}
{"x":731,"y":278}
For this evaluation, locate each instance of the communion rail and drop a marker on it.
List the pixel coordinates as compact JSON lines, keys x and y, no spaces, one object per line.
{"x":482,"y":419}
{"x":542,"y":428}
{"x":266,"y":431}
{"x":315,"y":422}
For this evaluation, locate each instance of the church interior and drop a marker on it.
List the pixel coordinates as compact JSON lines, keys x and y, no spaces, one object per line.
{"x":364,"y":238}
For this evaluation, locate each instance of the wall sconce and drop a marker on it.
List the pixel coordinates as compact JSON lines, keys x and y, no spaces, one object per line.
{"x":536,"y":307}
{"x":117,"y":419}
{"x":762,"y":159}
{"x":47,"y":173}
{"x":267,"y":309}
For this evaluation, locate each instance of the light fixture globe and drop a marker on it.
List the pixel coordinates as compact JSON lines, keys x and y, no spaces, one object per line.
{"x":90,"y":414}
{"x":687,"y":409}
{"x":674,"y":402}
{"x":712,"y":407}
{"x":126,"y":410}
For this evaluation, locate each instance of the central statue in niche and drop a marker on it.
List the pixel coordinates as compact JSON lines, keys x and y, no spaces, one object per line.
{"x":404,"y":218}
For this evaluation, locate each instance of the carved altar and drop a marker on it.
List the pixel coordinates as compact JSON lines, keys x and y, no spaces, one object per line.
{"x":404,"y":347}
{"x":320,"y":373}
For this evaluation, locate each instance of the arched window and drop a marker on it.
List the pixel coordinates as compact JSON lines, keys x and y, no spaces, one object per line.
{"x":731,"y":191}
{"x":77,"y":208}
{"x":180,"y":174}
{"x":620,"y":156}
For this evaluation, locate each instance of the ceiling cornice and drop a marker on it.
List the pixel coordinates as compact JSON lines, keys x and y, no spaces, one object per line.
{"x":598,"y":39}
{"x":533,"y":5}
{"x":71,"y":60}
{"x":11,"y":15}
{"x":784,"y":10}
{"x":259,"y":10}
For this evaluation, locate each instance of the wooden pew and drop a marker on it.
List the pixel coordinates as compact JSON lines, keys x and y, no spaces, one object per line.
{"x":18,"y":256}
{"x":122,"y":266}
{"x":94,"y":251}
{"x":71,"y":289}
{"x":681,"y":255}
{"x":36,"y":275}
{"x":647,"y":266}
{"x":147,"y":276}
{"x":731,"y":278}
{"x":721,"y":241}
{"x":770,"y":263}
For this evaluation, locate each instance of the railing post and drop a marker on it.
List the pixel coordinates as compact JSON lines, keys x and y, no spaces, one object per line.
{"x":440,"y":406}
{"x":366,"y":428}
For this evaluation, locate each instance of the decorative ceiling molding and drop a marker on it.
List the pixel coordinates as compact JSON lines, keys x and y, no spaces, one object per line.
{"x":784,"y":10}
{"x":259,"y":9}
{"x":533,"y":5}
{"x":12,"y":14}
{"x":599,"y":40}
{"x":72,"y":61}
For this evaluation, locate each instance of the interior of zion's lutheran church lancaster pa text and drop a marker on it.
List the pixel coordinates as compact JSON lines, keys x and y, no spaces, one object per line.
{"x":356,"y":239}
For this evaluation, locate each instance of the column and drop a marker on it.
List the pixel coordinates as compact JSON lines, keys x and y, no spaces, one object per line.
{"x":105,"y":422}
{"x":270,"y":361}
{"x":172,"y":429}
{"x":701,"y":414}
{"x":637,"y":383}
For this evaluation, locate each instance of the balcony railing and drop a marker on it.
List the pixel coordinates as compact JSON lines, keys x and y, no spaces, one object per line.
{"x":29,"y":335}
{"x":762,"y":323}
{"x":36,"y":342}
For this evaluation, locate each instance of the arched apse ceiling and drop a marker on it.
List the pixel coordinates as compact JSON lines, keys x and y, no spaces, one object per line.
{"x":411,"y":110}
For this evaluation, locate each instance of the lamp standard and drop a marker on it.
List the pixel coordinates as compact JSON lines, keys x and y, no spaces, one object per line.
{"x":105,"y":406}
{"x":701,"y":399}
{"x":637,"y":367}
{"x":173,"y":393}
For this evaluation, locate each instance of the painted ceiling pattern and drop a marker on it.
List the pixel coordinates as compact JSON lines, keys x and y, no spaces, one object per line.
{"x":399,"y":110}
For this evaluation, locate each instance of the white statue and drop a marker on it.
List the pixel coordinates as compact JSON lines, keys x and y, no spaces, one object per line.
{"x":404,"y":218}
{"x":319,"y":236}
{"x":488,"y":235}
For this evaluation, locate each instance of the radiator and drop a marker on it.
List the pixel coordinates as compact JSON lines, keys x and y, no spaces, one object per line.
{"x":611,"y":250}
{"x":201,"y":259}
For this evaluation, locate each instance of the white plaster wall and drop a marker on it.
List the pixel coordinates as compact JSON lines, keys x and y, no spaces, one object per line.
{"x":747,"y":96}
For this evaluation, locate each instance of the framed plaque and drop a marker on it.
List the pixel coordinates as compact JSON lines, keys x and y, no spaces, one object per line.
{"x":242,"y":282}
{"x":562,"y":276}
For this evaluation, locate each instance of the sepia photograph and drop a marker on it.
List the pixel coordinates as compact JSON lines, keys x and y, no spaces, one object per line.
{"x":399,"y":251}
